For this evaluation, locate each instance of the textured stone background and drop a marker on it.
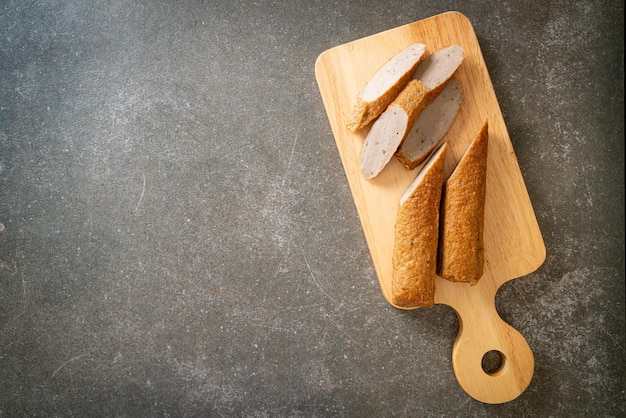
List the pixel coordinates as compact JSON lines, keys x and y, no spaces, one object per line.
{"x":178,"y":237}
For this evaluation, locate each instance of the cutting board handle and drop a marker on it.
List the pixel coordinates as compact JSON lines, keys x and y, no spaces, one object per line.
{"x":482,"y":331}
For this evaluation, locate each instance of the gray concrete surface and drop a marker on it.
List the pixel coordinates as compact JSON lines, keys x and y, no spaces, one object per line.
{"x":179,"y":238}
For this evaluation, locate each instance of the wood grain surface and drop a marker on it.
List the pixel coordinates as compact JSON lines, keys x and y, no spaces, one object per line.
{"x":513,"y":243}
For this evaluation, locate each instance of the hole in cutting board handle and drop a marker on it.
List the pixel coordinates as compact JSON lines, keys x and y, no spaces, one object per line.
{"x":493,"y":362}
{"x":476,"y":353}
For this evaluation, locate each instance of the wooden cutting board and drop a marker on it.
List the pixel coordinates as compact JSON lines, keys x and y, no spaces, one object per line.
{"x":513,"y":243}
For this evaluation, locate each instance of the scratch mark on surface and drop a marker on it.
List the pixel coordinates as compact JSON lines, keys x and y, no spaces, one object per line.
{"x":24,"y":295}
{"x":65,"y":364}
{"x":143,"y":191}
{"x":293,"y":148}
{"x":318,"y":284}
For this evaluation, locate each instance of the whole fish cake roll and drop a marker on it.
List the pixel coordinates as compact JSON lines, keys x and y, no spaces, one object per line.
{"x":415,"y":236}
{"x":461,"y":249}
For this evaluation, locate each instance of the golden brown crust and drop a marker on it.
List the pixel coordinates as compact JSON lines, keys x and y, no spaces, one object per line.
{"x":432,"y":94}
{"x":409,"y":162}
{"x":447,"y":105}
{"x":391,"y":128}
{"x":412,"y":99}
{"x":461,"y":250}
{"x":415,"y":241}
{"x":365,"y":112}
